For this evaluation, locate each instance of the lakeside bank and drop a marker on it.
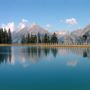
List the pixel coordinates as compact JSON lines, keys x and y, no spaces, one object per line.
{"x":48,"y":45}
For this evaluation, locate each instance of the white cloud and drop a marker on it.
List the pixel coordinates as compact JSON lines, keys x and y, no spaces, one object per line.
{"x":23,"y":24}
{"x":48,"y":26}
{"x":10,"y":26}
{"x":24,"y":20}
{"x":71,"y":21}
{"x":72,"y":63}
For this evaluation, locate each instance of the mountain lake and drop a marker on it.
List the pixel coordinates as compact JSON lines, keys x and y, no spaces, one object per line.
{"x":44,"y":68}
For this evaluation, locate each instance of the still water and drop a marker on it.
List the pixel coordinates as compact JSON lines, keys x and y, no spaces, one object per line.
{"x":37,"y":68}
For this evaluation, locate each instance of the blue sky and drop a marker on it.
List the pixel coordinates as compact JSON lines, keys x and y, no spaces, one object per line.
{"x":53,"y":14}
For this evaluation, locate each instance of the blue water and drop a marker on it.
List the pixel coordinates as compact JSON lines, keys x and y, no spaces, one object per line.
{"x":37,"y":68}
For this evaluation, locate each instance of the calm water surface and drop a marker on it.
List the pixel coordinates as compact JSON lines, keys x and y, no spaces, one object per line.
{"x":36,"y":68}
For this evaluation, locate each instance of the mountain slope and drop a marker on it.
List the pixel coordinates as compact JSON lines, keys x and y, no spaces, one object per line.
{"x":63,"y":36}
{"x":77,"y":35}
{"x":33,"y":29}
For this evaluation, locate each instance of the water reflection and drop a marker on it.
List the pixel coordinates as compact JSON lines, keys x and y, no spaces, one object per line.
{"x":36,"y":54}
{"x":5,"y":54}
{"x":85,"y":53}
{"x":72,"y":63}
{"x":54,"y":52}
{"x":38,"y":51}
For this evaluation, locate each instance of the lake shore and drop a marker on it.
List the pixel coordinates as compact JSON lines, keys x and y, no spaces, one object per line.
{"x":48,"y":45}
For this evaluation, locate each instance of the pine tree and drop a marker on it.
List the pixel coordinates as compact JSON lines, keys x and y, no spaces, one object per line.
{"x":9,"y":37}
{"x":23,"y":39}
{"x":5,"y":36}
{"x":33,"y":39}
{"x":38,"y":38}
{"x":54,"y":38}
{"x":1,"y":35}
{"x":85,"y":38}
{"x":28,"y":38}
{"x":46,"y":39}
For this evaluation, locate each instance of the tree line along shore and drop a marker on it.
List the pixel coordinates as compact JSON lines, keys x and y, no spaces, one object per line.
{"x":6,"y":38}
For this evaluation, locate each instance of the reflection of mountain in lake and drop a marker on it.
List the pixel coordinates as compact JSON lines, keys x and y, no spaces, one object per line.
{"x":37,"y":53}
{"x":5,"y":55}
{"x":84,"y":52}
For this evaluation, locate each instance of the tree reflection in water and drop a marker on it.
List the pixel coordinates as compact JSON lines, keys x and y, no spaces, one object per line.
{"x":5,"y":54}
{"x":54,"y":51}
{"x":35,"y":54}
{"x":39,"y":51}
{"x":85,"y":53}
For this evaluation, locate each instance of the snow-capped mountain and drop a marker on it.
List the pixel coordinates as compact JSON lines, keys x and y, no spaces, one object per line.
{"x":61,"y":35}
{"x":33,"y":29}
{"x":81,"y":32}
{"x":62,"y":32}
{"x":24,"y":28}
{"x":77,"y":35}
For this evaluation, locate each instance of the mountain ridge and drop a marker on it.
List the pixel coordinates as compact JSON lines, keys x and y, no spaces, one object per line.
{"x":63,"y":35}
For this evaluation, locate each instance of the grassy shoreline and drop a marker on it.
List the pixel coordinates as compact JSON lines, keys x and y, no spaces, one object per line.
{"x":48,"y":45}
